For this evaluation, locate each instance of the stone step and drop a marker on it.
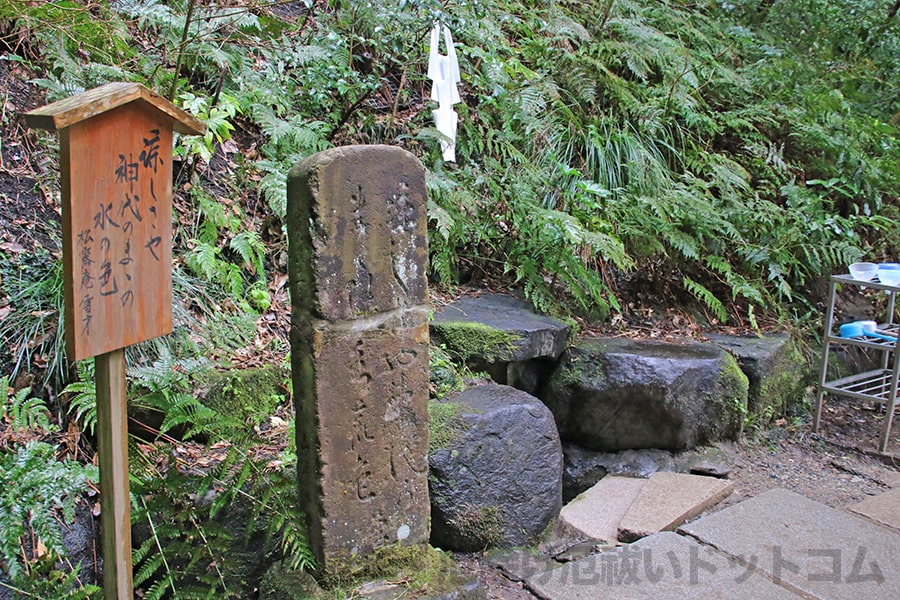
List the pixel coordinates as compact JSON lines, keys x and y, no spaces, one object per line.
{"x":628,"y":508}
{"x":611,"y":394}
{"x":668,"y":500}
{"x":598,"y":511}
{"x":883,"y":508}
{"x":806,"y":546}
{"x":663,"y":566}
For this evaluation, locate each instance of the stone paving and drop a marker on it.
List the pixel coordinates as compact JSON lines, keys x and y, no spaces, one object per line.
{"x":776,"y":545}
{"x":884,"y":508}
{"x":598,"y":511}
{"x":668,"y":500}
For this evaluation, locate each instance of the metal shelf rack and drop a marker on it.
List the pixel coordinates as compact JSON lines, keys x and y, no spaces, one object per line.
{"x":879,"y":385}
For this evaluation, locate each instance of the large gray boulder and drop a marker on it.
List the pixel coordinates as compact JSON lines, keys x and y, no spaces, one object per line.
{"x":617,"y":394}
{"x":496,"y":469}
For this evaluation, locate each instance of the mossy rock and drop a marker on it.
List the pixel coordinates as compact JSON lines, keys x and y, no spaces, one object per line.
{"x":495,"y":469}
{"x":248,"y":395}
{"x":732,"y":393}
{"x":468,"y":341}
{"x":497,"y":328}
{"x":612,"y":394}
{"x":408,"y":572}
{"x":777,"y":371}
{"x":783,"y":391}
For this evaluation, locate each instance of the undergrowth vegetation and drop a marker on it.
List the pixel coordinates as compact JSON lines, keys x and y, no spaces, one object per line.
{"x":729,"y":154}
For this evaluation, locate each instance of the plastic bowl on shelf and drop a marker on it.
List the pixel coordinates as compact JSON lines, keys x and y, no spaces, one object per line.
{"x":889,"y":277}
{"x":863,"y":271}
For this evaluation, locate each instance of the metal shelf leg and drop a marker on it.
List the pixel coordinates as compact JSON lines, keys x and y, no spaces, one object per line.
{"x":829,"y":323}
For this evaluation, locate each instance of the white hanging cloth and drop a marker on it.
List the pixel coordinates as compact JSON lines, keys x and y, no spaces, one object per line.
{"x":443,"y":70}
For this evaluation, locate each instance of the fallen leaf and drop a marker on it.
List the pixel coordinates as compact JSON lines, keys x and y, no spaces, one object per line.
{"x":12,"y":247}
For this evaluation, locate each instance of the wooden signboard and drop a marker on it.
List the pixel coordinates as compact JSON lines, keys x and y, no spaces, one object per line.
{"x":116,"y":180}
{"x":116,"y":184}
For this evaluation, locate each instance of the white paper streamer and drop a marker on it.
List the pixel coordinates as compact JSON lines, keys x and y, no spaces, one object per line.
{"x":443,"y":70}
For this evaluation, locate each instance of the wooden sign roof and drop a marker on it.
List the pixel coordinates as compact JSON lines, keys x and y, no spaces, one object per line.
{"x":68,"y":111}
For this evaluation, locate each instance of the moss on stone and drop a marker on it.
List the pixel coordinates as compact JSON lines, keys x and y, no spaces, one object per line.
{"x":247,"y":395}
{"x":444,"y":424}
{"x":468,"y":340}
{"x":480,"y":526}
{"x":734,"y":386}
{"x":421,"y":569}
{"x":578,"y":370}
{"x":782,"y":391}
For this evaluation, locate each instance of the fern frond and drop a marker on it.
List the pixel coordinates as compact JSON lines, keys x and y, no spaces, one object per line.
{"x":83,"y":404}
{"x":203,"y":260}
{"x":23,"y":412}
{"x":250,"y":248}
{"x":706,"y":297}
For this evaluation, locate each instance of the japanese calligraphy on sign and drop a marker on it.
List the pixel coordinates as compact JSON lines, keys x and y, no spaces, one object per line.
{"x":118,"y":226}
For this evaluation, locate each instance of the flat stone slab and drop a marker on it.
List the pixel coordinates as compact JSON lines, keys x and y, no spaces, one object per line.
{"x":806,"y":546}
{"x":892,"y":479}
{"x":598,"y":511}
{"x":663,"y":566}
{"x":383,"y":590}
{"x":519,"y":564}
{"x":668,"y":500}
{"x":584,"y":468}
{"x":527,"y":335}
{"x":883,"y":508}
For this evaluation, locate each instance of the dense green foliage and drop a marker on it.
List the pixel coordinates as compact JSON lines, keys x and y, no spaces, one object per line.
{"x":730,"y":153}
{"x":733,"y":151}
{"x":37,"y":492}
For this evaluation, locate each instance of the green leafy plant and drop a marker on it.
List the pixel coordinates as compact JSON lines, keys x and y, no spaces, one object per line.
{"x":37,"y":492}
{"x":217,"y":119}
{"x":45,"y":580}
{"x":212,"y":515}
{"x":165,"y":387}
{"x":219,"y":233}
{"x":83,"y":397}
{"x":21,"y":411}
{"x":444,"y":375}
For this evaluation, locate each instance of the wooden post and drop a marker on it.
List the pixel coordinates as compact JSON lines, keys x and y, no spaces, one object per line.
{"x":112,"y":442}
{"x":116,"y":192}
